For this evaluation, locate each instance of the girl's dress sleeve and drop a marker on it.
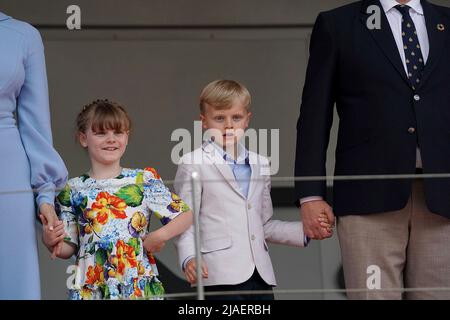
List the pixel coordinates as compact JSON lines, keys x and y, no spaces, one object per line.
{"x":165,"y":204}
{"x":66,"y":212}
{"x":48,"y":171}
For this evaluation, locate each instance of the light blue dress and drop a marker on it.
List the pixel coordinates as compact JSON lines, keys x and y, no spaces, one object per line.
{"x":27,"y":158}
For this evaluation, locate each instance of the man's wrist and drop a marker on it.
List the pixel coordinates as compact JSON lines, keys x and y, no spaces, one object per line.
{"x":310,"y":199}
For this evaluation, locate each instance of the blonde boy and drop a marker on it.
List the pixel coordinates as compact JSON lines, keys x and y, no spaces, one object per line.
{"x":234,"y":200}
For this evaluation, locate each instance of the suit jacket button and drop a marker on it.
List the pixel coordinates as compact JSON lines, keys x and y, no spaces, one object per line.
{"x":249,"y":206}
{"x":253,"y":237}
{"x":412,"y":130}
{"x":416,"y":97}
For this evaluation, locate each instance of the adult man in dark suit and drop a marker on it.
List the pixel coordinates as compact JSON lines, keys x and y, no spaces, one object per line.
{"x":391,"y":86}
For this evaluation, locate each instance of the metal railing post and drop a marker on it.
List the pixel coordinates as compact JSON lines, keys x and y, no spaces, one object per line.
{"x":198,"y":258}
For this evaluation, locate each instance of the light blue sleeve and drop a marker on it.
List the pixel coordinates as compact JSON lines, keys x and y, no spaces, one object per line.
{"x":48,"y":171}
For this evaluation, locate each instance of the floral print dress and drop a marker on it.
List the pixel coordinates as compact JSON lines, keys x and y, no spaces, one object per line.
{"x":105,"y":220}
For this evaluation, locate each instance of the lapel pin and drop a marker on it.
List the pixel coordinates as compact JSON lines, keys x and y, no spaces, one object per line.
{"x":440,"y":27}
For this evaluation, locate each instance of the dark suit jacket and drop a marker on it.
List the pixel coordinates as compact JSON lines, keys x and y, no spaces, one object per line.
{"x":360,"y":70}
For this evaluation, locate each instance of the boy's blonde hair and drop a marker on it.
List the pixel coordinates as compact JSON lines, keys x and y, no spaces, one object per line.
{"x":220,"y":95}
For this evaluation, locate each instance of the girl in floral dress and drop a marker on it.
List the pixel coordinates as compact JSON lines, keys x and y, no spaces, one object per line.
{"x":106,"y":212}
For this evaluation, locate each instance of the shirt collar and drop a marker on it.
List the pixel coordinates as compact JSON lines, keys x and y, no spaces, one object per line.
{"x":390,"y":4}
{"x":242,"y":157}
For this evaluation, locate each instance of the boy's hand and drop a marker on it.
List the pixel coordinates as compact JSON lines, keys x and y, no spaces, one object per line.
{"x":190,"y":271}
{"x":154,"y":241}
{"x":53,"y":236}
{"x":324,"y":223}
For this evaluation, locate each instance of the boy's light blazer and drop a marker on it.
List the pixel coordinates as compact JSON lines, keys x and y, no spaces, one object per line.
{"x":233,"y":229}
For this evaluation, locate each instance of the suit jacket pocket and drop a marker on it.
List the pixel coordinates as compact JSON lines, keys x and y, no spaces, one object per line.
{"x":215,"y":244}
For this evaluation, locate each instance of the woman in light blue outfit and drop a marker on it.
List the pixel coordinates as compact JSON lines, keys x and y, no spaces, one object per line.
{"x":27,"y":158}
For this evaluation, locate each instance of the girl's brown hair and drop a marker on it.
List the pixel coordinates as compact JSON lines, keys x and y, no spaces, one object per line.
{"x":101,"y":115}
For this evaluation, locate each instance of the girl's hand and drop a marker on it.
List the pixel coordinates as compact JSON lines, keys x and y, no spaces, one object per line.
{"x":53,"y":238}
{"x":52,"y":221}
{"x":154,"y":241}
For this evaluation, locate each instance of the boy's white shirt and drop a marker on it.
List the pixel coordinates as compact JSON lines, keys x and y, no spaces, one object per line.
{"x":233,"y":229}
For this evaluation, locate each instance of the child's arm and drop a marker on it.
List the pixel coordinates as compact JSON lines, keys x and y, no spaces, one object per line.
{"x":185,"y":243}
{"x":283,"y":232}
{"x":53,"y":237}
{"x":156,"y":240}
{"x":64,"y":237}
{"x":67,"y":250}
{"x":173,"y":212}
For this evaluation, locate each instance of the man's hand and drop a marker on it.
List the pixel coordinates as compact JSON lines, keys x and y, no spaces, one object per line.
{"x":316,"y":215}
{"x":190,"y":271}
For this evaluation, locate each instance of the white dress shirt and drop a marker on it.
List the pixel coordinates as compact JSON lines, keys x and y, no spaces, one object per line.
{"x":395,"y":21}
